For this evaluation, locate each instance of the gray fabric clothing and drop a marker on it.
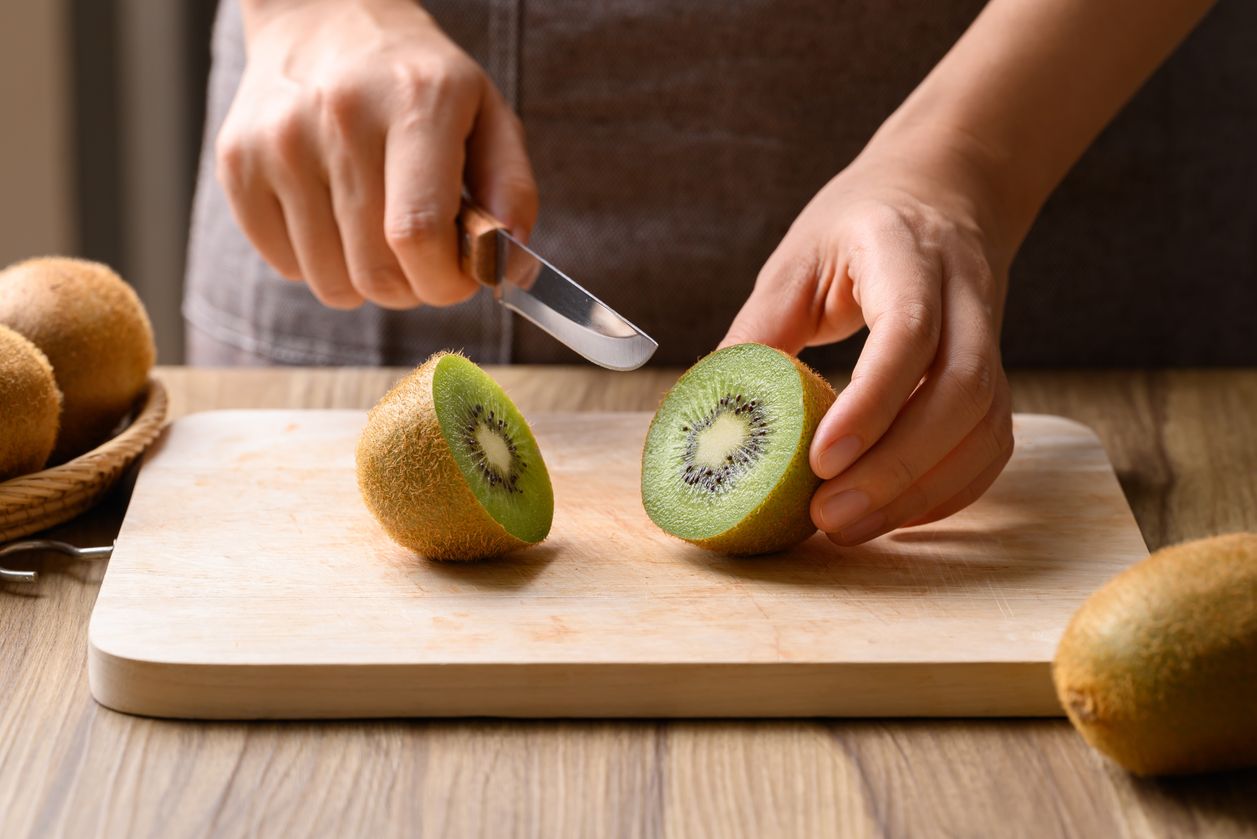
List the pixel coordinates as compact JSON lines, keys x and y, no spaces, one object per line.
{"x":674,"y":143}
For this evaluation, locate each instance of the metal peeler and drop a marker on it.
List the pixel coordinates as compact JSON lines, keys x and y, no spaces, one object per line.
{"x":10,"y":576}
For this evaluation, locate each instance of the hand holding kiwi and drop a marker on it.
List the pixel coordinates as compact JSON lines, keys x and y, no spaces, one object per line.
{"x":897,"y":244}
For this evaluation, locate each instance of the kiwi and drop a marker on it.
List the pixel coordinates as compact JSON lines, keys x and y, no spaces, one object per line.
{"x":1158,"y":669}
{"x":449,"y":467}
{"x":30,"y":405}
{"x":97,"y":337}
{"x":725,"y":464}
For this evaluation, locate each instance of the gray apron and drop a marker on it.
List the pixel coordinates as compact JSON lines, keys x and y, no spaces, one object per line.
{"x":674,"y":143}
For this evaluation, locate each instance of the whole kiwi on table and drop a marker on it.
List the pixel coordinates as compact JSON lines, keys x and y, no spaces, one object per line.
{"x":450,"y":468}
{"x":1158,"y":669}
{"x":30,"y":405}
{"x":725,"y":465}
{"x":96,"y":335}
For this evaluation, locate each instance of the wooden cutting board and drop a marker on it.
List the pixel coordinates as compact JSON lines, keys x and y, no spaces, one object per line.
{"x":249,"y":581}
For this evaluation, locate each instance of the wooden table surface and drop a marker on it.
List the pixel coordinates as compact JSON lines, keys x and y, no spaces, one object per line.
{"x":1185,"y":448}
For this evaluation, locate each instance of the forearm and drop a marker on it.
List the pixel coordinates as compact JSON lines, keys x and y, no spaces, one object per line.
{"x":257,"y":13}
{"x":1029,"y":86}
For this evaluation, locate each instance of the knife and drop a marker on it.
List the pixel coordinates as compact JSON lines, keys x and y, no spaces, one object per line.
{"x":530,"y":286}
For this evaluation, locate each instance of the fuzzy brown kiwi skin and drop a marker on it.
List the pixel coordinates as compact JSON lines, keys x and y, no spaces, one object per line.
{"x":31,"y":406}
{"x":413,"y":486}
{"x":1158,"y":669}
{"x":93,"y":328}
{"x":784,"y":518}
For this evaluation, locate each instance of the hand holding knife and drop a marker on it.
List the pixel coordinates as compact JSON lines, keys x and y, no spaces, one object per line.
{"x":530,"y":286}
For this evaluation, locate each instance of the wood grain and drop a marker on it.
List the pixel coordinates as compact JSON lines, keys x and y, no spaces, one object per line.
{"x":1185,"y":452}
{"x":277,"y":595}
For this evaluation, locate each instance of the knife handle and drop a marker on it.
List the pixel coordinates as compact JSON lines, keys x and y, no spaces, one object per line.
{"x":477,"y":244}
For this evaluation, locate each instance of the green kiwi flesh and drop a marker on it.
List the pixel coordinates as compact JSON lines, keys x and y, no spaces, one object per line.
{"x":494,"y":448}
{"x":725,"y":464}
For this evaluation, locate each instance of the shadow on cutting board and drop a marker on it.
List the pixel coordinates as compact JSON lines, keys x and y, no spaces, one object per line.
{"x":504,"y":573}
{"x":935,"y":558}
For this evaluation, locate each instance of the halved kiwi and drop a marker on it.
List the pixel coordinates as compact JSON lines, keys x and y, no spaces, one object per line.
{"x":449,"y":467}
{"x":725,"y":464}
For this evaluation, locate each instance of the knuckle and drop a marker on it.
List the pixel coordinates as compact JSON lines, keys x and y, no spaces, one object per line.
{"x":455,"y":78}
{"x":519,"y":184}
{"x":919,"y":324}
{"x":381,"y":281}
{"x":229,"y":156}
{"x":409,"y":227}
{"x":886,"y":220}
{"x":901,"y":472}
{"x":426,"y":84}
{"x":341,"y":103}
{"x":283,"y":134}
{"x":787,"y":269}
{"x":972,"y":375}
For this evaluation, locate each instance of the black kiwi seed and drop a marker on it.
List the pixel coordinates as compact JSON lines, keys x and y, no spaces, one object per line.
{"x":488,"y":471}
{"x":737,"y":463}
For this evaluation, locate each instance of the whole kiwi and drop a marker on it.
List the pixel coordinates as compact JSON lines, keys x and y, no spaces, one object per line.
{"x":94,"y":331}
{"x":30,"y":404}
{"x":1158,"y":669}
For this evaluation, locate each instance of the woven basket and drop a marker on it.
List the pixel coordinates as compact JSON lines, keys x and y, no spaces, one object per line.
{"x":34,"y":502}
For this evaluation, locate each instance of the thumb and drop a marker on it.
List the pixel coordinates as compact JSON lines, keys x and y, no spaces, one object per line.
{"x":499,"y":175}
{"x":779,"y":310}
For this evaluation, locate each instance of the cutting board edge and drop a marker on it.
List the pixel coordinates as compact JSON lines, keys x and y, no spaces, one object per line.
{"x":767,"y":690}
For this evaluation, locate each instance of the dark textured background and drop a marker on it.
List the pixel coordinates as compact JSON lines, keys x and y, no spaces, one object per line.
{"x":674,"y":144}
{"x":1146,"y":254}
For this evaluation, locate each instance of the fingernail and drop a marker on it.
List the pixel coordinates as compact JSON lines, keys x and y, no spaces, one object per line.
{"x":863,"y":529}
{"x":843,"y":508}
{"x":838,"y":456}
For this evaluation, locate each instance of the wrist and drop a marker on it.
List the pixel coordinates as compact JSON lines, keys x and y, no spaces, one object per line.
{"x":979,"y":177}
{"x":259,"y":13}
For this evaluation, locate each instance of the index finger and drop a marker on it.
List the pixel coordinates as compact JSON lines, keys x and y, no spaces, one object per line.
{"x":423,"y":175}
{"x":900,"y":296}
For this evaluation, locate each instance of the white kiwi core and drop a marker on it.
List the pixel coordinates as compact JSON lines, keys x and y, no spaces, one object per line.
{"x":720,"y":439}
{"x":494,"y":448}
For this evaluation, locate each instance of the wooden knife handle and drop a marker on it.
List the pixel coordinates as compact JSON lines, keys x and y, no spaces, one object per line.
{"x":477,"y":244}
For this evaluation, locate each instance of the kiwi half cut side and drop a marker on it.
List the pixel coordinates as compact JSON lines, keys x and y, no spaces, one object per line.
{"x":725,"y":465}
{"x":450,"y":468}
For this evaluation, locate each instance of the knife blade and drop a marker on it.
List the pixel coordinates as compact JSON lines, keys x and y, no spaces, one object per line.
{"x":530,"y":286}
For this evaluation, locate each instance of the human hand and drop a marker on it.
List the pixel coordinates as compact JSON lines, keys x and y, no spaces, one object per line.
{"x":905,"y":241}
{"x":348,"y":144}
